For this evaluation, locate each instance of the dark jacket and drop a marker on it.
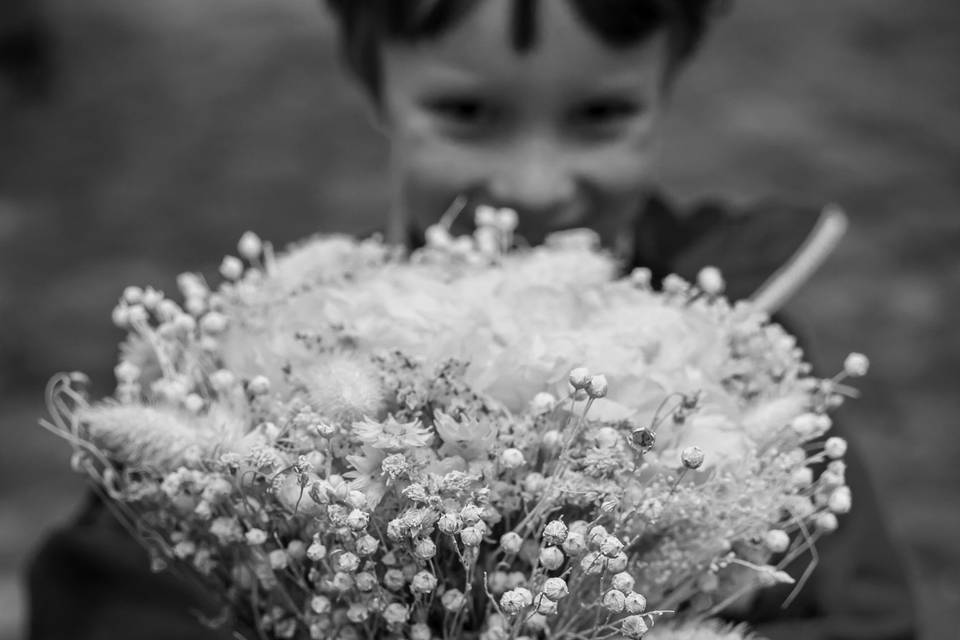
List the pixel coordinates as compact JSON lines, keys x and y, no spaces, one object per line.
{"x":91,"y":580}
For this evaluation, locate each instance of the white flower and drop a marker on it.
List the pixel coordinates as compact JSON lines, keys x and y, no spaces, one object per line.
{"x":777,"y":540}
{"x":231,"y":268}
{"x":710,"y":281}
{"x":555,"y":588}
{"x":614,"y":601}
{"x":555,"y":532}
{"x":453,"y":600}
{"x":551,"y":558}
{"x":250,"y":246}
{"x":635,"y":603}
{"x":840,"y":500}
{"x":835,"y":447}
{"x":633,"y":626}
{"x":396,"y":613}
{"x":512,"y":458}
{"x":512,"y":602}
{"x":856,"y":365}
{"x":622,"y":582}
{"x":511,"y":542}
{"x":256,"y":536}
{"x":423,"y":583}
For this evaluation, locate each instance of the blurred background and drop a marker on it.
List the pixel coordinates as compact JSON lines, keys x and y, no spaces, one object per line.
{"x":140,"y":138}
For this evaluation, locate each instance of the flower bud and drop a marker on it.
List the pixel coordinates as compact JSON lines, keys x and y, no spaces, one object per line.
{"x":358,"y":612}
{"x":580,"y":378}
{"x":574,"y":544}
{"x":348,"y":562}
{"x":394,"y":579}
{"x":453,"y":600}
{"x":546,"y":606}
{"x":365,"y":581}
{"x":255,"y":536}
{"x":552,"y":439}
{"x":611,"y":546}
{"x":231,"y":268}
{"x":597,"y":535}
{"x":555,"y":588}
{"x":710,"y":281}
{"x":471,"y":514}
{"x":551,"y":558}
{"x":593,"y":563}
{"x":278,"y":559}
{"x":506,"y":219}
{"x":856,"y":365}
{"x":542,"y":403}
{"x":511,"y":542}
{"x":396,"y":613}
{"x":614,"y":601}
{"x":126,"y":372}
{"x":622,"y":581}
{"x":826,"y":522}
{"x":618,"y":563}
{"x":423,"y":583}
{"x":635,"y":603}
{"x":450,"y":523}
{"x":259,"y":386}
{"x":320,"y":604}
{"x":776,"y":540}
{"x":367,"y":545}
{"x":597,"y":386}
{"x":512,"y":458}
{"x":840,"y":500}
{"x":420,"y":631}
{"x":425,"y":549}
{"x":471,"y":536}
{"x":835,"y":447}
{"x":555,"y":532}
{"x":358,"y":520}
{"x":802,"y":477}
{"x":634,"y":627}
{"x":512,"y":602}
{"x":692,"y":457}
{"x":250,"y":246}
{"x":316,"y":552}
{"x":641,"y":277}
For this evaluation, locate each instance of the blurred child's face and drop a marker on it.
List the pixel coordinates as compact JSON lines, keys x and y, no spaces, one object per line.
{"x":562,"y":132}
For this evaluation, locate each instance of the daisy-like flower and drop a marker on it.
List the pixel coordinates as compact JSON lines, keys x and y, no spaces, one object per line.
{"x":392,"y":435}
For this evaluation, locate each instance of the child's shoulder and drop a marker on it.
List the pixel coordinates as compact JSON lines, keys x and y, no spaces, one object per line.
{"x":750,"y":245}
{"x":92,"y":580}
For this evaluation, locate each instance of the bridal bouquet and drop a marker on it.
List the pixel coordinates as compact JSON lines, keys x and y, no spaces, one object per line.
{"x":344,"y":441}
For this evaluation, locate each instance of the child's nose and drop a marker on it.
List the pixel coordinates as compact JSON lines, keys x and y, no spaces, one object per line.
{"x":533,"y":178}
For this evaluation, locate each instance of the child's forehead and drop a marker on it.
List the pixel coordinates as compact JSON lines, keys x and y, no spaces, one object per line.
{"x":480,"y":49}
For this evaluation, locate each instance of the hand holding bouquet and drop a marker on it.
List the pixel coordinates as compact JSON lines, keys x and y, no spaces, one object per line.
{"x":345,"y":442}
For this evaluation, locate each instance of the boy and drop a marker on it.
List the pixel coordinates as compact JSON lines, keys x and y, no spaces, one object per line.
{"x":550,"y":108}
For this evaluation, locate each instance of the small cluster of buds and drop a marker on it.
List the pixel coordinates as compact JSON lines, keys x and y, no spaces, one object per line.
{"x":594,"y":386}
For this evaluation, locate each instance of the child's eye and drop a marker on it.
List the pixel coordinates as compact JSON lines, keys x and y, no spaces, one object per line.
{"x":462,"y":111}
{"x":606,"y":111}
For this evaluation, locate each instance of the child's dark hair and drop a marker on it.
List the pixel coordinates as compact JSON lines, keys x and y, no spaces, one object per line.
{"x":366,"y":23}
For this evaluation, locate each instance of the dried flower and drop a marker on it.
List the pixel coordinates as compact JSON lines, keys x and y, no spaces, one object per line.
{"x":635,"y":603}
{"x":840,"y":500}
{"x":777,"y":540}
{"x":551,"y":558}
{"x":856,"y":365}
{"x":512,"y":458}
{"x":555,"y":532}
{"x":835,"y":447}
{"x":614,"y":601}
{"x":634,"y":626}
{"x":692,"y":457}
{"x":555,"y":588}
